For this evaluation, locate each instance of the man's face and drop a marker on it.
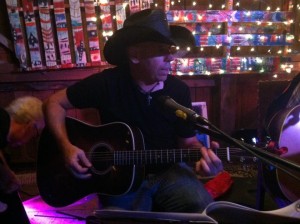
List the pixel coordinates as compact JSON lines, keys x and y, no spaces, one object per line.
{"x":153,"y":60}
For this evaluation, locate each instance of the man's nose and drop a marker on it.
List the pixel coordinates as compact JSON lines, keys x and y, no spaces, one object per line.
{"x":169,"y":57}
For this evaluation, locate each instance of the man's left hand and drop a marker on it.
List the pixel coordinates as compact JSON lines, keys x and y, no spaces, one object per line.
{"x":210,"y":164}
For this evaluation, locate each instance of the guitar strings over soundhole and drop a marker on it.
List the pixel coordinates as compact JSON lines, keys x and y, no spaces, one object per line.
{"x":102,"y":158}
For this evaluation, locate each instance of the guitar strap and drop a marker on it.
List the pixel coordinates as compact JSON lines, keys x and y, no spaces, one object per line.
{"x":295,"y":97}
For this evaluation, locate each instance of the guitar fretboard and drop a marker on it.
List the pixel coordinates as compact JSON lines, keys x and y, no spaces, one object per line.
{"x":146,"y":157}
{"x":165,"y":156}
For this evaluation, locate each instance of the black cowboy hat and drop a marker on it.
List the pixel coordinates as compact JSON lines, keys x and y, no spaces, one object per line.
{"x":143,"y":26}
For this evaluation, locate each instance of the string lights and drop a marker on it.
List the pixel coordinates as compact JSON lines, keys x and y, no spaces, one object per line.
{"x":232,"y":36}
{"x":247,"y":31}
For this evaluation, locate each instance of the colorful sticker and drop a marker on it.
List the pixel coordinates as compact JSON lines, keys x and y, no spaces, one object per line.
{"x":47,"y":33}
{"x":78,"y":35}
{"x":17,"y":33}
{"x":92,"y":32}
{"x":62,"y":34}
{"x":32,"y":35}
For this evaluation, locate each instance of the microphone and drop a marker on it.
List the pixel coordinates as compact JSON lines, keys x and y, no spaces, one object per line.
{"x":181,"y":111}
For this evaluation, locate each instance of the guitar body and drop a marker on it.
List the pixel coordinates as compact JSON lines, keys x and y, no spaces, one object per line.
{"x":58,"y":187}
{"x":285,"y":128}
{"x":119,"y":161}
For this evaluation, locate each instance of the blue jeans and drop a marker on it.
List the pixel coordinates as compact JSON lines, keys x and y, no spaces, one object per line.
{"x":176,"y":190}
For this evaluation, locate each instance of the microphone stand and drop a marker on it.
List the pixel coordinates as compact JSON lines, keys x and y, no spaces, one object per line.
{"x":278,"y":162}
{"x":188,"y":114}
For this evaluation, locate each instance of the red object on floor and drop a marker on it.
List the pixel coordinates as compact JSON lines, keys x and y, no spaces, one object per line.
{"x":219,"y":184}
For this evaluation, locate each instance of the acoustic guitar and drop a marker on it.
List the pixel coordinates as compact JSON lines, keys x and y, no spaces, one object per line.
{"x":118,"y":159}
{"x":284,"y":127}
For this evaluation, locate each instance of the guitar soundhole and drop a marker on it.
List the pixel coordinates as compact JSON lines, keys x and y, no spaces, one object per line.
{"x":102,"y":159}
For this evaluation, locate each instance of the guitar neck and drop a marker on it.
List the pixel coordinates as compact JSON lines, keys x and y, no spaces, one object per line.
{"x":166,"y":156}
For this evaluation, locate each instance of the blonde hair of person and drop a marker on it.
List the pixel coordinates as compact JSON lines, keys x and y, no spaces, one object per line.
{"x":26,"y":109}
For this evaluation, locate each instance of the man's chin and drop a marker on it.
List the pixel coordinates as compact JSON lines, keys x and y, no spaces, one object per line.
{"x":163,"y":77}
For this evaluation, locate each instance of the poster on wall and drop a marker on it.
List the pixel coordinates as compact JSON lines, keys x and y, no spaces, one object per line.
{"x":120,"y":14}
{"x":201,"y":109}
{"x":17,"y":33}
{"x":78,"y":35}
{"x":63,"y":38}
{"x":144,"y":4}
{"x":107,"y":21}
{"x":47,"y":34}
{"x":92,"y":32}
{"x":32,"y":35}
{"x":134,"y":6}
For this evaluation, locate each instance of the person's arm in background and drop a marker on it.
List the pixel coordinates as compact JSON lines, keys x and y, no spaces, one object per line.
{"x":55,"y":110}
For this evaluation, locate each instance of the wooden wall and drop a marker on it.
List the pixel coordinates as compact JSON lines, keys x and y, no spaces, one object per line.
{"x":232,"y":99}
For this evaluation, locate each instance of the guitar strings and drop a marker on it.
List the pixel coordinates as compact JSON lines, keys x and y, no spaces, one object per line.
{"x":176,"y":151}
{"x":160,"y":155}
{"x":159,"y":152}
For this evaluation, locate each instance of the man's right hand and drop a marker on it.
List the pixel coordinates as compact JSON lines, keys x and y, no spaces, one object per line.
{"x":77,"y":162}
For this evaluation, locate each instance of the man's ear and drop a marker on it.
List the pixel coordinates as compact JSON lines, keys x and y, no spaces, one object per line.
{"x":134,"y":60}
{"x":133,"y":55}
